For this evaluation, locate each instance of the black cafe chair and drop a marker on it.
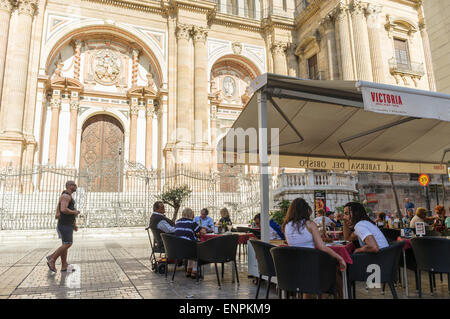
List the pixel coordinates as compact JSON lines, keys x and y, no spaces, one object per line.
{"x":304,"y":270}
{"x":387,"y":258}
{"x":219,"y":249}
{"x":178,"y":249}
{"x":432,"y":255}
{"x":391,"y":234}
{"x":265,"y":263}
{"x":157,"y":247}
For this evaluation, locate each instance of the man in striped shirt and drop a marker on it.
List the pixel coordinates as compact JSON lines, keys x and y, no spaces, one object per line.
{"x":186,"y":228}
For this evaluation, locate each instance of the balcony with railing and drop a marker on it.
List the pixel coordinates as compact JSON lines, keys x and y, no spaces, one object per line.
{"x":410,"y":68}
{"x":242,"y":8}
{"x":286,"y":183}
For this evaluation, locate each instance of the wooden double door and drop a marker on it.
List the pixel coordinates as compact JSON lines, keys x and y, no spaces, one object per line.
{"x":101,"y":156}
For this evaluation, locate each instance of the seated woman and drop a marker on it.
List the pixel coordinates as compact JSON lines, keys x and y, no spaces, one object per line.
{"x":256,"y":221}
{"x":225,"y":217}
{"x":300,"y":231}
{"x":323,"y":219}
{"x":370,"y":237}
{"x":439,"y":222}
{"x":186,"y":228}
{"x":381,"y":219}
{"x":421,"y":217}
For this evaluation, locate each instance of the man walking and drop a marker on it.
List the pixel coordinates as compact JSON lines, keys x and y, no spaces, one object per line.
{"x":66,"y":226}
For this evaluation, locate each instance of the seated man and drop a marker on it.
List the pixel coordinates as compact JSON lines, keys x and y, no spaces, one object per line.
{"x":205,"y":221}
{"x":159,"y":223}
{"x":370,"y":237}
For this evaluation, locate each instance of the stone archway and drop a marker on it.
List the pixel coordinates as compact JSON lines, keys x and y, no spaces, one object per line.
{"x":101,"y":155}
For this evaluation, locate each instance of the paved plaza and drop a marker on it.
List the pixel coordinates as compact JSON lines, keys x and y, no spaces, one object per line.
{"x":118,"y":267}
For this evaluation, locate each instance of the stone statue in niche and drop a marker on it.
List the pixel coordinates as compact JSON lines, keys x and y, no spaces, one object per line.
{"x":229,"y":86}
{"x":150,"y":80}
{"x":245,"y":97}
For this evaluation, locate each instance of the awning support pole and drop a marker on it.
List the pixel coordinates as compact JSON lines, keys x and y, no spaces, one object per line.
{"x":275,"y":105}
{"x":381,"y":128}
{"x":263,"y":164}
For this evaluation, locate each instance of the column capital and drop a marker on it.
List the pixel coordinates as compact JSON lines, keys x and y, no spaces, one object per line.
{"x":291,"y":48}
{"x":422,"y":26}
{"x":356,"y":8}
{"x":75,"y":105}
{"x":373,"y":10}
{"x":134,"y":109}
{"x":6,"y":5}
{"x":279,"y":47}
{"x":183,"y":31}
{"x":27,"y":7}
{"x":340,"y":12}
{"x":150,"y":112}
{"x":327,"y":23}
{"x":55,"y":103}
{"x":199,"y":34}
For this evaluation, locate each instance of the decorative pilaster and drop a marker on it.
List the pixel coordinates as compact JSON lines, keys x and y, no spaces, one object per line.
{"x":77,"y":59}
{"x":292,"y":60}
{"x":345,"y":44}
{"x":200,"y":87}
{"x":328,"y":26}
{"x":5,"y":15}
{"x":133,"y":128}
{"x":185,"y":110}
{"x":361,"y":40}
{"x":16,"y":70}
{"x":55,"y":106}
{"x":134,"y":68}
{"x":74,"y":109}
{"x":213,"y":119}
{"x":149,"y":113}
{"x":428,"y":59}
{"x":279,"y":57}
{"x":373,"y":28}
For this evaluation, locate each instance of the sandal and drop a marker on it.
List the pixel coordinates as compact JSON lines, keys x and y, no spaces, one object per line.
{"x":68,"y":266}
{"x":50,"y":266}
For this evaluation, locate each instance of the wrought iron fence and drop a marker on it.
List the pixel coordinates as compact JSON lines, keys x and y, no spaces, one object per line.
{"x":119,"y":197}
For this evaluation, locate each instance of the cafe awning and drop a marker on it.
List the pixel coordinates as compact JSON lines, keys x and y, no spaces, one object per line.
{"x":347,"y":125}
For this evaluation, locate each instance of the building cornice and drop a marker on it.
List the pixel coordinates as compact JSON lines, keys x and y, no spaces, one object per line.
{"x":234,"y":21}
{"x":278,"y":22}
{"x":312,"y":8}
{"x":138,"y":5}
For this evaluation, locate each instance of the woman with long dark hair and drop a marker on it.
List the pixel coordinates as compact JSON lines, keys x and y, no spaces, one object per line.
{"x":300,"y":231}
{"x":369,"y":235}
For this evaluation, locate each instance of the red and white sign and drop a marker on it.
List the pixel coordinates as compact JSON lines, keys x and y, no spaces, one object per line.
{"x":405,"y":102}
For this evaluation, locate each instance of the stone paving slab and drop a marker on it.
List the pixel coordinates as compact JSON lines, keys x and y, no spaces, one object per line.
{"x":119,"y":268}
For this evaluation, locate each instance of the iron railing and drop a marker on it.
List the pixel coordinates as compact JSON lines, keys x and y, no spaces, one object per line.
{"x":28,"y":197}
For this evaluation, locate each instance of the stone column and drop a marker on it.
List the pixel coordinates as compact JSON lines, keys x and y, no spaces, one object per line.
{"x":185,"y":112}
{"x":200,"y":87}
{"x":428,"y":59}
{"x":55,"y":105}
{"x":16,"y":70}
{"x":373,"y":23}
{"x":213,"y":119}
{"x":5,"y":15}
{"x":328,"y":27}
{"x":74,"y":108}
{"x":303,"y":65}
{"x":279,"y":57}
{"x":292,"y":60}
{"x":133,"y":128}
{"x":345,"y":44}
{"x":149,"y":112}
{"x":134,"y":67}
{"x":361,"y":39}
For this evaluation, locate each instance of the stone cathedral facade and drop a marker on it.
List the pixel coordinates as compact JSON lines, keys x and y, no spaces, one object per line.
{"x":160,"y":82}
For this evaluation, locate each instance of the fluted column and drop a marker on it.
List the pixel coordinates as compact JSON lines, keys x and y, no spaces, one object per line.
{"x":16,"y":70}
{"x":292,"y":60}
{"x":345,"y":44}
{"x":328,"y":27}
{"x":149,"y":112}
{"x":74,"y":108}
{"x":5,"y":15}
{"x":373,"y":28}
{"x":55,"y":106}
{"x":361,"y":40}
{"x":428,"y":58}
{"x":133,"y":129}
{"x":185,"y":112}
{"x":279,"y":58}
{"x":200,"y":86}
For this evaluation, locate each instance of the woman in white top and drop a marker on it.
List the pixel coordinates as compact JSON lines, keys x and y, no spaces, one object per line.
{"x":300,"y":231}
{"x":369,"y":235}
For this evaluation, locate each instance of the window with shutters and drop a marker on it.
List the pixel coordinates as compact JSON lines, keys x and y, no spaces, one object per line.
{"x":401,"y":52}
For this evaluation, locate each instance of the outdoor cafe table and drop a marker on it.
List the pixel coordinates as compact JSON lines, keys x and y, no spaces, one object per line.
{"x":344,"y":251}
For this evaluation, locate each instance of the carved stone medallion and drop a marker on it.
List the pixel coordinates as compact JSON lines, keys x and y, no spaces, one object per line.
{"x":106,"y":65}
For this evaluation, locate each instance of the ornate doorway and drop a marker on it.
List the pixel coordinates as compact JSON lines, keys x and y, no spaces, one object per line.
{"x":101,"y":156}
